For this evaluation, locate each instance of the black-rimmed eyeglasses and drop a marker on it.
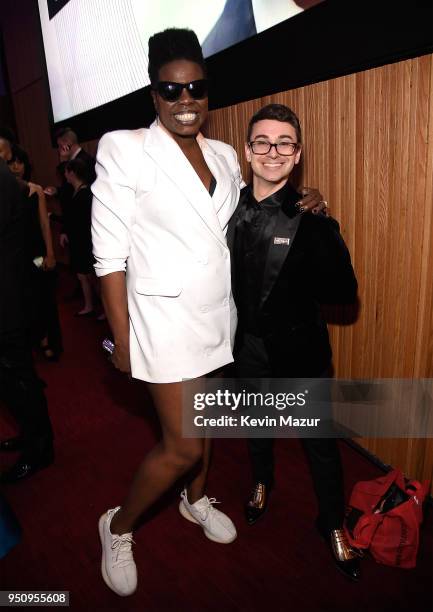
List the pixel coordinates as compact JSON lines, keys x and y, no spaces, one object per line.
{"x":262,"y":147}
{"x":171,"y":91}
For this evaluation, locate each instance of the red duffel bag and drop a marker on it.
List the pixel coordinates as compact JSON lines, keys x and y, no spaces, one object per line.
{"x":384,"y":516}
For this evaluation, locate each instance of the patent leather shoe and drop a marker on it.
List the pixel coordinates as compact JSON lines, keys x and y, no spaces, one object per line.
{"x":346,"y":558}
{"x":257,"y":504}
{"x":26,"y":466}
{"x":11,"y":445}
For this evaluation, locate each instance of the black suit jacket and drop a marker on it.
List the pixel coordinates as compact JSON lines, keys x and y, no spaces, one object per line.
{"x":314,"y":269}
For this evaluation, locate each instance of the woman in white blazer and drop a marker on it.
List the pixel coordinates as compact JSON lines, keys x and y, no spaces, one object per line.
{"x":162,"y":200}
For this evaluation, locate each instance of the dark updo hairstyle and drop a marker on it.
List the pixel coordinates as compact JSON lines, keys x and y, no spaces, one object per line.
{"x":170,"y":45}
{"x":19,"y":154}
{"x":80,"y":169}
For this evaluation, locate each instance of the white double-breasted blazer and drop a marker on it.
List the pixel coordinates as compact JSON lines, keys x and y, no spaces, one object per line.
{"x":153,"y":218}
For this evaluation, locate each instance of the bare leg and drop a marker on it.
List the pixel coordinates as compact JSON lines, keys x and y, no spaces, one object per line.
{"x":196,"y":487}
{"x":171,"y":458}
{"x":86,"y":287}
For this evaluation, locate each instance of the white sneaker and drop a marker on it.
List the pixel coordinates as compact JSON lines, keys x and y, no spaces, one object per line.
{"x":118,"y":567}
{"x":216,"y":525}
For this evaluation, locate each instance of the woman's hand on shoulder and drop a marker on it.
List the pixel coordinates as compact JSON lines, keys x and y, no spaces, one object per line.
{"x":312,"y":201}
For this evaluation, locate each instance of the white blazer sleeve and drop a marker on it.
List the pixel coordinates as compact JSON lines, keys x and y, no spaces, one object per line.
{"x":113,"y":202}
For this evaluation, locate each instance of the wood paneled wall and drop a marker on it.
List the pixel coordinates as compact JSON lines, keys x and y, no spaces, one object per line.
{"x":368,"y":146}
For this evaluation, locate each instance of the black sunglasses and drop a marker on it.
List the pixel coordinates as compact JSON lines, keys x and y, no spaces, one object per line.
{"x":171,"y":91}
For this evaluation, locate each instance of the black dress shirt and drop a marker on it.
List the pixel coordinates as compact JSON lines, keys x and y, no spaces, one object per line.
{"x":255,"y":227}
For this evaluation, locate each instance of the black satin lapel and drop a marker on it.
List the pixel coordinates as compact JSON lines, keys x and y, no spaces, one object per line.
{"x":231,"y":233}
{"x":231,"y":228}
{"x":286,"y":227}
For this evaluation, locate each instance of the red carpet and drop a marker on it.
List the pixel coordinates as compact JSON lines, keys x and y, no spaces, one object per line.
{"x":103,"y":426}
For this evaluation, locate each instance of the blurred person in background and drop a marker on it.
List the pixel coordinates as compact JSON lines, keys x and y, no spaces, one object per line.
{"x":68,"y":149}
{"x":39,"y":248}
{"x":20,"y":387}
{"x":78,"y":234}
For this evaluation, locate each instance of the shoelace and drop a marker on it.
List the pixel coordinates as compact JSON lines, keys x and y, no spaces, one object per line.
{"x":122,"y":546}
{"x":209,"y":507}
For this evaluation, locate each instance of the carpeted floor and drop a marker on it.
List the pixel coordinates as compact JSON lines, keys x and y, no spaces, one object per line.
{"x":104,"y":424}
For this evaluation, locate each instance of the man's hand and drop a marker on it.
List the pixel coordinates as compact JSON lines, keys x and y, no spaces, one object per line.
{"x":49,"y":263}
{"x":50,"y":190}
{"x":312,"y":201}
{"x":120,"y":357}
{"x":63,"y":240}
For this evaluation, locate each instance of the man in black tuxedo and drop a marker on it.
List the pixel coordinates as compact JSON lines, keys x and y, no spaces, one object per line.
{"x":20,"y":387}
{"x":284,"y":265}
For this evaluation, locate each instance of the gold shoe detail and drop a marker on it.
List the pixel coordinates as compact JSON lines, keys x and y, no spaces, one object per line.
{"x":258,"y":497}
{"x":341,"y":547}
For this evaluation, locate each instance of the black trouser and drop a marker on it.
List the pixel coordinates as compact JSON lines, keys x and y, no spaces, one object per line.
{"x":251,"y":361}
{"x":23,"y":392}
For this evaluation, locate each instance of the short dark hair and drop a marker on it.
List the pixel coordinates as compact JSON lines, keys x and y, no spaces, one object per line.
{"x":170,"y":45}
{"x":22,"y":156}
{"x":80,"y":169}
{"x":67,"y":132}
{"x":277,"y":112}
